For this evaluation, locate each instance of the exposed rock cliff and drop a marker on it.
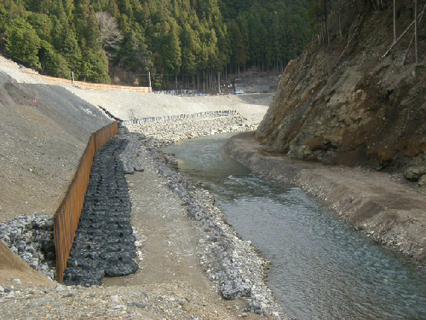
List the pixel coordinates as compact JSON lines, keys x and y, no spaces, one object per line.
{"x":349,"y":103}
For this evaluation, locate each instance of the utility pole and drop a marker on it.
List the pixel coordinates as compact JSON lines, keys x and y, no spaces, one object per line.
{"x":149,"y":81}
{"x":218,"y":80}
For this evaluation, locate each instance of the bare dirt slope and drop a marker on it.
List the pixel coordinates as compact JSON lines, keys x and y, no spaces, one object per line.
{"x":12,"y":267}
{"x":348,"y":102}
{"x":44,"y":131}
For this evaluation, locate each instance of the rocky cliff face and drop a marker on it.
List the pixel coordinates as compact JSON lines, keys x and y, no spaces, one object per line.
{"x":349,"y":103}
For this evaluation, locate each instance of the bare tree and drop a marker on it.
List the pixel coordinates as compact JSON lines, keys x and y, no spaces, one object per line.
{"x":415,"y":30}
{"x":394,"y":21}
{"x":110,"y":34}
{"x":326,"y":22}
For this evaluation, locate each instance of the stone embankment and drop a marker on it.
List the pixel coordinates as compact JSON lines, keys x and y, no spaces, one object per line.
{"x":231,"y":264}
{"x":169,"y":130}
{"x":31,"y":237}
{"x":104,"y":244}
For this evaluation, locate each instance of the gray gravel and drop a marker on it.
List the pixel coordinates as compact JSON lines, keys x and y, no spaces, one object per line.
{"x":229,"y":261}
{"x":31,"y":237}
{"x":173,"y":130}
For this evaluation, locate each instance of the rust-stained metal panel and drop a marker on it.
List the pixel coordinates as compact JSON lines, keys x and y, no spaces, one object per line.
{"x":68,"y":214}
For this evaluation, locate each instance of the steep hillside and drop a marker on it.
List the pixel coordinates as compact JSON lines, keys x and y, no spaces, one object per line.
{"x":349,"y":102}
{"x":44,"y":130}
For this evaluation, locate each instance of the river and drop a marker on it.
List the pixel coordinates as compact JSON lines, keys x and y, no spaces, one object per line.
{"x":321,"y":267}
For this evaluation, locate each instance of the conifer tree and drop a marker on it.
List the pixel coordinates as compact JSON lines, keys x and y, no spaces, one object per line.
{"x":168,"y":36}
{"x":22,"y":43}
{"x":190,"y":50}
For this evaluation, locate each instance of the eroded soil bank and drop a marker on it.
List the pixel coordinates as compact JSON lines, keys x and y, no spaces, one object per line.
{"x":383,"y":206}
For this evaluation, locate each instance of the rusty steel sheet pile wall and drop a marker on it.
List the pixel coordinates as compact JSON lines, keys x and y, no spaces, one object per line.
{"x":68,"y":214}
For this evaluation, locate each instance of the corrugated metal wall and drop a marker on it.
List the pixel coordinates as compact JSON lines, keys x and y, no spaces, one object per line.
{"x":68,"y":214}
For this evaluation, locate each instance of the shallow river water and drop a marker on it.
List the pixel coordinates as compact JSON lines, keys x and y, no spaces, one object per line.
{"x":321,"y":268}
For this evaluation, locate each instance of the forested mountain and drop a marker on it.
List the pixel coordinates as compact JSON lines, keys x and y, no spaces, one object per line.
{"x":194,"y":39}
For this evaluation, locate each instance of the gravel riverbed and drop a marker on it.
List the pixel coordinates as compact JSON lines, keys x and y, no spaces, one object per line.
{"x":189,"y":259}
{"x":186,"y":267}
{"x":232,"y":269}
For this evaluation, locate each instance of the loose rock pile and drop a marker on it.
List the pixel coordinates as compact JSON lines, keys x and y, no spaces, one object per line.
{"x":31,"y":237}
{"x":128,"y":156}
{"x":104,"y":244}
{"x":184,"y":128}
{"x":229,"y":261}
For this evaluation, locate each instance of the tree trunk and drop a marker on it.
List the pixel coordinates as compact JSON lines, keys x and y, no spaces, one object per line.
{"x":326,"y":24}
{"x":204,"y":80}
{"x":394,"y":21}
{"x":218,"y":82}
{"x":415,"y":31}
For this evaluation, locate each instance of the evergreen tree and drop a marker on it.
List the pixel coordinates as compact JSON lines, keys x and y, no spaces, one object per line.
{"x":42,"y":24}
{"x":173,"y":55}
{"x":239,"y":54}
{"x":53,"y":63}
{"x":22,"y":43}
{"x":134,"y":53}
{"x":168,"y":36}
{"x":67,"y":46}
{"x":94,"y":66}
{"x":190,"y":49}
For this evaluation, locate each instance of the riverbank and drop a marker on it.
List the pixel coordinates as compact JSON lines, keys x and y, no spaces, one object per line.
{"x":383,"y":206}
{"x":44,"y":129}
{"x":39,"y":153}
{"x":191,"y":263}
